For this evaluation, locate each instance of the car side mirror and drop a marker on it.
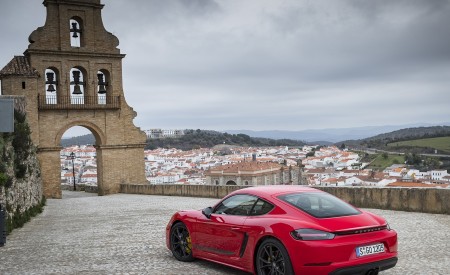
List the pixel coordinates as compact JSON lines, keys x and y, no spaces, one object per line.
{"x":207,"y":212}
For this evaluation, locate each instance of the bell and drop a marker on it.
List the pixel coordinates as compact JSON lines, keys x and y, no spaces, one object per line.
{"x":74,"y":30}
{"x":51,"y":88}
{"x":101,"y":89}
{"x":101,"y":84}
{"x":77,"y":90}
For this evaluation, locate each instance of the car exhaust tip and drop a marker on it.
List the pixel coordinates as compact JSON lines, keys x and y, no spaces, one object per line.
{"x":373,"y":271}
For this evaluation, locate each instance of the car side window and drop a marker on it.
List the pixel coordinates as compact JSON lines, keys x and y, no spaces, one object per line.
{"x":240,"y":205}
{"x":261,"y":207}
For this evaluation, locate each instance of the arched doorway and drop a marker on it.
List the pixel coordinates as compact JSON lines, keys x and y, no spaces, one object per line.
{"x":78,"y":160}
{"x":231,"y":182}
{"x":82,"y":158}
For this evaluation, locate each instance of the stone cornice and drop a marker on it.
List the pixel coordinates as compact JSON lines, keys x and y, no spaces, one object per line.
{"x":74,"y":3}
{"x":73,"y":54}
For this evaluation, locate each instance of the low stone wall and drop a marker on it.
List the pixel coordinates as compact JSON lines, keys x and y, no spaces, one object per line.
{"x":427,"y":200}
{"x":80,"y":187}
{"x":204,"y":191}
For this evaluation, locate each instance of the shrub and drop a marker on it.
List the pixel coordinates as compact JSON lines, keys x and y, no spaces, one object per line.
{"x":21,"y":143}
{"x":3,"y":179}
{"x":19,"y":219}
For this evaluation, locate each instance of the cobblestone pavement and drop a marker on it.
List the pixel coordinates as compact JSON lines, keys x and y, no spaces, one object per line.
{"x":124,"y":234}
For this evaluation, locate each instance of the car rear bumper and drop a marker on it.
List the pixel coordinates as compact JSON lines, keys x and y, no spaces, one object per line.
{"x":340,"y":254}
{"x":370,"y":268}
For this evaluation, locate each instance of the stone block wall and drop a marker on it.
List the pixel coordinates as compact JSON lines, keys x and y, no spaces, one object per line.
{"x":21,"y":193}
{"x":426,"y":200}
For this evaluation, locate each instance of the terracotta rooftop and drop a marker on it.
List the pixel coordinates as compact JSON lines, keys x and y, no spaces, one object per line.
{"x":19,"y":65}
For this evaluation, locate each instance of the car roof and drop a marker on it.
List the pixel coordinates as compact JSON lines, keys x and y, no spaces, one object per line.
{"x":275,"y":190}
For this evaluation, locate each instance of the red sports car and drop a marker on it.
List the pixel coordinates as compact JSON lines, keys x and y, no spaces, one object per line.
{"x":284,"y":230}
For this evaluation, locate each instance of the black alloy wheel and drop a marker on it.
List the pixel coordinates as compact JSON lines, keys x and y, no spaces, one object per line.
{"x":180,"y":243}
{"x":272,"y":258}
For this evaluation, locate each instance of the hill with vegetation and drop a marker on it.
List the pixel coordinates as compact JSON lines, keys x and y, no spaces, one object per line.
{"x":441,"y":144}
{"x":194,"y":139}
{"x":88,"y":139}
{"x":387,"y":140}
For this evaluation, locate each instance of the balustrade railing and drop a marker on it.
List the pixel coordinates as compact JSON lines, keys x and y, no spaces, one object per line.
{"x":78,"y":102}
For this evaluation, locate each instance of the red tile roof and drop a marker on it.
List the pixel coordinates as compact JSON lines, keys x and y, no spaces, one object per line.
{"x":20,"y":66}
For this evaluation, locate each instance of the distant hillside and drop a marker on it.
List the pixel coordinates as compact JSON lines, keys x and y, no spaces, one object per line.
{"x":414,"y":133}
{"x":206,"y":139}
{"x":383,"y":140}
{"x":196,"y":139}
{"x":332,"y":135}
{"x":441,"y":144}
{"x":80,"y":140}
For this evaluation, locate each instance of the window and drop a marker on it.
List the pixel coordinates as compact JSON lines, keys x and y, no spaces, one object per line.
{"x":51,"y":86}
{"x":243,"y":205}
{"x":75,"y":32}
{"x":320,"y":205}
{"x":261,"y":207}
{"x":76,"y":86}
{"x":102,"y":85}
{"x":240,"y":205}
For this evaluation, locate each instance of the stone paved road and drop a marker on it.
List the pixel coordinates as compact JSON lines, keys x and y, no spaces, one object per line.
{"x":124,"y":234}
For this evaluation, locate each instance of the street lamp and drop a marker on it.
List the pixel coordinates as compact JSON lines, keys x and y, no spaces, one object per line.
{"x":72,"y":157}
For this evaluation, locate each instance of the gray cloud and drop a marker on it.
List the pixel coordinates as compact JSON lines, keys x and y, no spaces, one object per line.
{"x":267,"y":64}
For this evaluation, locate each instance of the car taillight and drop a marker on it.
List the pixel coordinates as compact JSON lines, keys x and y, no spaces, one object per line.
{"x":311,"y":235}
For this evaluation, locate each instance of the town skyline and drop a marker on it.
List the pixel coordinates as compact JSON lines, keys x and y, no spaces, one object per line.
{"x":267,"y":65}
{"x":313,"y":165}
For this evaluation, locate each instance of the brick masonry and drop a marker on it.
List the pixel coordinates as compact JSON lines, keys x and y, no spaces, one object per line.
{"x":119,"y":143}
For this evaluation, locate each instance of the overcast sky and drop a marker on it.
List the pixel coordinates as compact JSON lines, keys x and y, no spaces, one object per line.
{"x":271,"y":64}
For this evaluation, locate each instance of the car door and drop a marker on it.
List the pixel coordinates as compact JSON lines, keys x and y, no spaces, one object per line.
{"x":222,"y":234}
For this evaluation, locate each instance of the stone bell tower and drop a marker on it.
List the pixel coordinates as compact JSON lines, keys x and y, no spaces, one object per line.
{"x":71,"y":75}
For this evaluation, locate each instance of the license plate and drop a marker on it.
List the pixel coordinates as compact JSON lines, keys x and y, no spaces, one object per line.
{"x":369,"y":250}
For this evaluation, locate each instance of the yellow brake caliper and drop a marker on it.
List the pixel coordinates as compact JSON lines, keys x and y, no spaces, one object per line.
{"x":188,"y":244}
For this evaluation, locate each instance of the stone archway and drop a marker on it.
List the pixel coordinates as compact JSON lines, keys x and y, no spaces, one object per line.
{"x":100,"y":137}
{"x":231,"y":182}
{"x":77,"y":97}
{"x":116,"y":163}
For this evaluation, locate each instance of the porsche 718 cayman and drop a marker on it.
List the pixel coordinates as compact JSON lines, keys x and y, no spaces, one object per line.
{"x":284,"y":230}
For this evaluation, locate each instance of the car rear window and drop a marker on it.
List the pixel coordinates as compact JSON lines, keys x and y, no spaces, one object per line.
{"x":320,"y":205}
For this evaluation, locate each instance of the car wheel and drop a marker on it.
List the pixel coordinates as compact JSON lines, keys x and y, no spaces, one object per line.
{"x":180,"y":243}
{"x":272,"y":258}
